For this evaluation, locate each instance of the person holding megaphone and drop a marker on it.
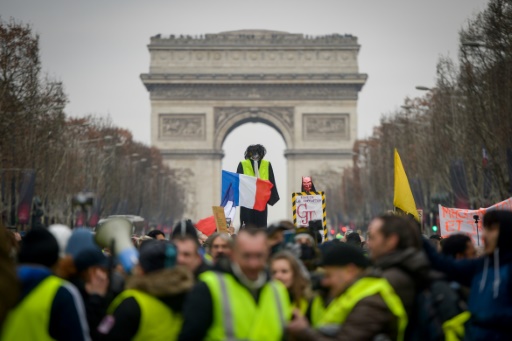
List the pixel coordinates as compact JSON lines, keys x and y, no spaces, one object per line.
{"x":150,"y":307}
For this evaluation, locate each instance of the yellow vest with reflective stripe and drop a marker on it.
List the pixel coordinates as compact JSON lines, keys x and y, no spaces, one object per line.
{"x":30,"y":319}
{"x":337,"y":312}
{"x":317,"y":310}
{"x":236,"y":315}
{"x":454,"y":328}
{"x":157,"y":320}
{"x":302,"y":305}
{"x":263,"y":170}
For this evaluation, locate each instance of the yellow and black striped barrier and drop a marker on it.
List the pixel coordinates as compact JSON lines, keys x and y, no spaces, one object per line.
{"x":307,"y":216}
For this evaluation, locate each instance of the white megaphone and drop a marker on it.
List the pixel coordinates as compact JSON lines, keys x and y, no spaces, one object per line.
{"x":117,"y":231}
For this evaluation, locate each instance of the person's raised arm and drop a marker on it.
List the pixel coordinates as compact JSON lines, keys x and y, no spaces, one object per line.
{"x":461,"y":271}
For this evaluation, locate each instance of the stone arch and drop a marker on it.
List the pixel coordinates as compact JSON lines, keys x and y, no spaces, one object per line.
{"x":228,"y":119}
{"x":308,"y":94}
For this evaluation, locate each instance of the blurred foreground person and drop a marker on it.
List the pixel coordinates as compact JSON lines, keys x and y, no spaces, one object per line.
{"x":241,"y":303}
{"x":9,"y":286}
{"x":156,"y":234}
{"x":285,"y":267}
{"x":458,"y":246}
{"x":84,"y":265}
{"x":306,"y":239}
{"x":435,"y":240}
{"x":150,"y":307}
{"x":394,"y":244}
{"x":354,"y":239}
{"x":219,"y":245}
{"x":49,"y":307}
{"x":189,"y":255}
{"x":275,"y":235}
{"x":13,"y":238}
{"x":489,"y":279}
{"x":363,"y":308}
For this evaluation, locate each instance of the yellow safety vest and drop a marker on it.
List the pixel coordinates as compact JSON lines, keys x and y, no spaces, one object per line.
{"x":208,"y":259}
{"x":236,"y":315}
{"x":337,"y":312}
{"x":302,"y":305}
{"x":30,"y":319}
{"x":263,"y":170}
{"x":454,"y":328}
{"x":157,"y":320}
{"x":317,"y":310}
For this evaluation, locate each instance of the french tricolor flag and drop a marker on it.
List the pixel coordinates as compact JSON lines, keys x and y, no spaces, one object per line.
{"x":246,"y":191}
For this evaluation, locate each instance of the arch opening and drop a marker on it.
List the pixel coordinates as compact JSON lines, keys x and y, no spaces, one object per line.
{"x":242,"y":116}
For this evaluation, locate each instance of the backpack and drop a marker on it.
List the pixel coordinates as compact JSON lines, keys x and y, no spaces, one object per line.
{"x":435,"y":304}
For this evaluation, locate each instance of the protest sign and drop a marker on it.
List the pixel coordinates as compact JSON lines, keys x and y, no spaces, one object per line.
{"x":220,"y":219}
{"x":455,"y":220}
{"x":308,"y":206}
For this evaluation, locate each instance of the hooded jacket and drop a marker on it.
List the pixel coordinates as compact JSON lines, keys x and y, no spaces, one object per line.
{"x":490,"y":282}
{"x":170,"y":286}
{"x":406,"y":270}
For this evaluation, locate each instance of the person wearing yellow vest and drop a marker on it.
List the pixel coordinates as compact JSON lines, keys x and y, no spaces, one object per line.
{"x":362,"y":307}
{"x":287,"y":268}
{"x":240,"y":301}
{"x":150,"y":307}
{"x":49,"y":308}
{"x":254,"y":165}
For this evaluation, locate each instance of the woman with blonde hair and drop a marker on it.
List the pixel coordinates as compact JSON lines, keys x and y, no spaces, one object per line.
{"x":287,"y":268}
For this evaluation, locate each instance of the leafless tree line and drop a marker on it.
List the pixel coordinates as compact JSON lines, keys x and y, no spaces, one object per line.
{"x":71,"y":155}
{"x":456,"y":141}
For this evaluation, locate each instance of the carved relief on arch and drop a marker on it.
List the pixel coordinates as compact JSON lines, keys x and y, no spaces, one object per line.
{"x":283,"y":114}
{"x":281,"y":117}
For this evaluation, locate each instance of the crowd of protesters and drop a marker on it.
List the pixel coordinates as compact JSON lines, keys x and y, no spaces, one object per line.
{"x":273,"y":283}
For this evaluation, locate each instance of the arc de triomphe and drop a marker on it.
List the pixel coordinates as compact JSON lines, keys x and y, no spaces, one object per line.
{"x":201,"y":88}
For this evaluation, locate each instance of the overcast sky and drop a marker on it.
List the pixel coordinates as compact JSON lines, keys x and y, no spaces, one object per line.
{"x":98,"y":49}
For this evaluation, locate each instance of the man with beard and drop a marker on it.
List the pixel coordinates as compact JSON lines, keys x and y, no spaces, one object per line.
{"x":240,"y":302}
{"x":394,"y":244}
{"x":254,"y":165}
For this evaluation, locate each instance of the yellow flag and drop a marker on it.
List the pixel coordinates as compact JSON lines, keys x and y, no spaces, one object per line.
{"x":403,"y":195}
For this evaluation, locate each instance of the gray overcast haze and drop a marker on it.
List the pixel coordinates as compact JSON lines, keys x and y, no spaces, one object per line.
{"x":98,"y":50}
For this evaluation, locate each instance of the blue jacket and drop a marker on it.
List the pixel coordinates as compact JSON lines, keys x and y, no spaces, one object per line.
{"x":67,"y":316}
{"x":490,"y":299}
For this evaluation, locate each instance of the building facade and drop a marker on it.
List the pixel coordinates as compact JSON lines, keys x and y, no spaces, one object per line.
{"x":202,"y":88}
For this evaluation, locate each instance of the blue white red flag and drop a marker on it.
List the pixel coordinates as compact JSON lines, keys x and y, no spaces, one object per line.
{"x":247,"y":191}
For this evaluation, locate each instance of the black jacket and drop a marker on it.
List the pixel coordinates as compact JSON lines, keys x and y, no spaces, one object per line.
{"x":198,"y":310}
{"x":169,"y":286}
{"x":67,"y":318}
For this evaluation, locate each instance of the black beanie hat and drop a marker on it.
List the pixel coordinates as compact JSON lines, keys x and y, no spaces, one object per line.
{"x":156,"y":255}
{"x":341,"y":254}
{"x":39,"y":246}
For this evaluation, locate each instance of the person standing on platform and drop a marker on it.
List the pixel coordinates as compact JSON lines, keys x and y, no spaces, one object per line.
{"x":254,"y":165}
